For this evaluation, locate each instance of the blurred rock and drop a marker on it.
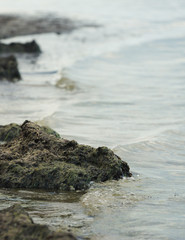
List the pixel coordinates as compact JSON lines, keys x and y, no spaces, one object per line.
{"x":21,"y":25}
{"x":16,"y":224}
{"x":9,"y":69}
{"x":29,"y":47}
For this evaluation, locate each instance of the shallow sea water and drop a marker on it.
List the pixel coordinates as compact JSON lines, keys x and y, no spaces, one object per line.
{"x":121,"y":85}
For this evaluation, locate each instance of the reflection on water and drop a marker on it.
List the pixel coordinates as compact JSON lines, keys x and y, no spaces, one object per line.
{"x":112,"y":195}
{"x":58,"y":210}
{"x":74,"y":211}
{"x":127,"y":78}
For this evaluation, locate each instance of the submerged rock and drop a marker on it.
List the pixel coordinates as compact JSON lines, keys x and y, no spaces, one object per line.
{"x":29,"y":47}
{"x":16,"y":223}
{"x":13,"y":130}
{"x":66,"y":83}
{"x":9,"y":69}
{"x":36,"y":159}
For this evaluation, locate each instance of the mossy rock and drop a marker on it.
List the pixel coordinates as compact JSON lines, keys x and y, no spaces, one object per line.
{"x":9,"y":69}
{"x":49,"y":130}
{"x":13,"y":130}
{"x":28,"y":47}
{"x":9,"y":132}
{"x":16,"y":224}
{"x":36,"y":159}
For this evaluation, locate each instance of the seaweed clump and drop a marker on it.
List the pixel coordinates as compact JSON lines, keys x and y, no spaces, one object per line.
{"x":36,"y":159}
{"x":16,"y":223}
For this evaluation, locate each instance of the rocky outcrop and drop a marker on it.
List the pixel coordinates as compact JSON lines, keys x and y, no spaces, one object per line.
{"x":9,"y":69}
{"x":8,"y":65}
{"x":36,"y":159}
{"x":16,"y":224}
{"x":29,"y":47}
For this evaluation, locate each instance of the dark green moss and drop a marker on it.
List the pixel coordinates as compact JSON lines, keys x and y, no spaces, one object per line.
{"x":9,"y":132}
{"x":50,"y":131}
{"x":13,"y":130}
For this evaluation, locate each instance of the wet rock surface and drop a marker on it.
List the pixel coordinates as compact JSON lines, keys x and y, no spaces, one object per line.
{"x":16,"y":224}
{"x":36,"y":159}
{"x":29,"y":47}
{"x":9,"y":69}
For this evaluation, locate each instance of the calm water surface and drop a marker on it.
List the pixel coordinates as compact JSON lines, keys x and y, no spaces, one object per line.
{"x":122,"y":85}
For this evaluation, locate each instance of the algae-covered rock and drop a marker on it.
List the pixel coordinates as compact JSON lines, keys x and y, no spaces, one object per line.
{"x":16,"y":224}
{"x":9,"y":69}
{"x":13,"y":130}
{"x":36,"y":159}
{"x":49,"y":130}
{"x":28,"y":47}
{"x":9,"y":132}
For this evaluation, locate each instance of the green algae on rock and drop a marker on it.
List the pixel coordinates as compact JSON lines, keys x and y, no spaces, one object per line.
{"x":9,"y":69}
{"x":36,"y":159}
{"x":13,"y":130}
{"x":28,"y":47}
{"x":16,"y":224}
{"x":9,"y":132}
{"x":49,"y":130}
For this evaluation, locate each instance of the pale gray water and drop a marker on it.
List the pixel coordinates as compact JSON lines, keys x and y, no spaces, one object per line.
{"x":128,"y":84}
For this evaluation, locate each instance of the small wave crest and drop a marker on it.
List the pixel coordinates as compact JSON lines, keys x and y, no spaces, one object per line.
{"x":66,"y":83}
{"x":111,"y":195}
